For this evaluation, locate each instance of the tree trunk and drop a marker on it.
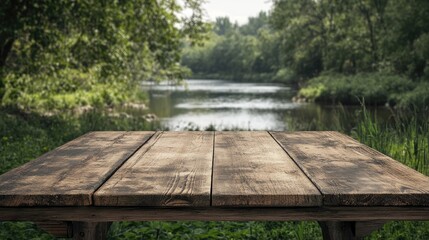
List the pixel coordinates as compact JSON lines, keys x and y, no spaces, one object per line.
{"x":5,"y":48}
{"x":367,"y":15}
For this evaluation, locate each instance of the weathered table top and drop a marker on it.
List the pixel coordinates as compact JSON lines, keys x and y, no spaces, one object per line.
{"x":213,"y":169}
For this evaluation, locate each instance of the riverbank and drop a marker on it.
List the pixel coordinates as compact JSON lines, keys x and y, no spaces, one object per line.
{"x":368,"y":88}
{"x":240,"y":77}
{"x":375,"y":89}
{"x":54,"y":96}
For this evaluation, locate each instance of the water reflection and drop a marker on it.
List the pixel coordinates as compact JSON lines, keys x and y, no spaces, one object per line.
{"x":202,"y":104}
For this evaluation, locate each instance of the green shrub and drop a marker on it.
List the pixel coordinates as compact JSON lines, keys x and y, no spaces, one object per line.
{"x":374,"y":88}
{"x":418,"y":97}
{"x":67,"y":89}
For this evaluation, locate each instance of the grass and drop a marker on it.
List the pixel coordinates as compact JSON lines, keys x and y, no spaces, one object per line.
{"x":215,"y":230}
{"x":405,"y":137}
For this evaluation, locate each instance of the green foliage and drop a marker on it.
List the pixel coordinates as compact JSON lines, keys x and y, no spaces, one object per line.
{"x":406,"y":138}
{"x":417,"y":98}
{"x":255,"y":24}
{"x":66,"y":90}
{"x":234,"y":53}
{"x":223,"y":26}
{"x":75,"y":48}
{"x":376,"y":88}
{"x":248,"y":52}
{"x":22,"y":230}
{"x":353,"y":36}
{"x":215,"y":230}
{"x":403,"y":230}
{"x":384,"y":43}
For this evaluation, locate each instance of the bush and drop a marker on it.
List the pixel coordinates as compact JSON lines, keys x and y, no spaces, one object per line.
{"x":373,"y":88}
{"x":418,"y":97}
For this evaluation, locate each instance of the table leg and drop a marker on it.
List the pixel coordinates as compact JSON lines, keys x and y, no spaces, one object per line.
{"x":90,"y":230}
{"x":337,"y":230}
{"x":57,"y":229}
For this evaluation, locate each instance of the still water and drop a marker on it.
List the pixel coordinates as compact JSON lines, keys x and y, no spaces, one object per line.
{"x":225,"y":105}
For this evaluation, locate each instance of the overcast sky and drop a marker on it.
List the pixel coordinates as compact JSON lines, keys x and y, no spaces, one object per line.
{"x":236,"y":10}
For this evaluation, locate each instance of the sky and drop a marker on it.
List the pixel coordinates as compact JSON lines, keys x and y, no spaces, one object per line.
{"x":237,"y":10}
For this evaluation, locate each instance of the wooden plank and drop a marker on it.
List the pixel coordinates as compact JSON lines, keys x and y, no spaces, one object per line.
{"x":112,"y":214}
{"x":68,"y":175}
{"x":251,"y":169}
{"x":172,"y":170}
{"x":351,"y":174}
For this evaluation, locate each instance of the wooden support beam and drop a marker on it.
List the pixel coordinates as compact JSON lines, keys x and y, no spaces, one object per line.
{"x":348,"y":230}
{"x":365,"y":228}
{"x":90,"y":230}
{"x":337,"y":230}
{"x":108,"y":214}
{"x":57,"y":229}
{"x":76,"y":230}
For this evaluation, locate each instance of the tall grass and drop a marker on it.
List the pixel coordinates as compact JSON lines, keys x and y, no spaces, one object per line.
{"x":404,"y":138}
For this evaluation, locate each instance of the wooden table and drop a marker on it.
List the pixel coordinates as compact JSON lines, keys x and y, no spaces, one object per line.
{"x":101,"y":177}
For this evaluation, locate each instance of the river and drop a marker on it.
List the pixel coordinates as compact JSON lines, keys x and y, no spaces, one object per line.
{"x":226,"y":105}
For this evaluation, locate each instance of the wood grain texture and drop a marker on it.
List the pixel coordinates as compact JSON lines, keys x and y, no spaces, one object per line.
{"x":68,"y":175}
{"x":251,"y":169}
{"x":349,"y":173}
{"x":172,"y":170}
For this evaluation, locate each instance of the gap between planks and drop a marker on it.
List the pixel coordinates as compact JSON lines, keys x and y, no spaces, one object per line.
{"x":149,"y":141}
{"x":294,"y":161}
{"x":213,"y":158}
{"x":157,"y":135}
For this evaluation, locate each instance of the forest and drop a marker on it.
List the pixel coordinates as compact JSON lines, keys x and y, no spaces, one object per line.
{"x":334,"y":51}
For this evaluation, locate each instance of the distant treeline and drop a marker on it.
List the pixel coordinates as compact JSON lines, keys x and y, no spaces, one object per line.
{"x":301,"y":40}
{"x":247,"y":52}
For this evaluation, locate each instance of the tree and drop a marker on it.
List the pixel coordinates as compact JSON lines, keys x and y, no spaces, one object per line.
{"x":254,"y":24}
{"x":112,"y":41}
{"x":223,"y":26}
